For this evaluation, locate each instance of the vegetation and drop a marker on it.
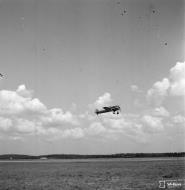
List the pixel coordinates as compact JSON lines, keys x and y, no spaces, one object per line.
{"x":105,"y":174}
{"x":78,"y":156}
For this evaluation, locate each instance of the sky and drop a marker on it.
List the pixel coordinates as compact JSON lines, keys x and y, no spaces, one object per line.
{"x":62,"y":59}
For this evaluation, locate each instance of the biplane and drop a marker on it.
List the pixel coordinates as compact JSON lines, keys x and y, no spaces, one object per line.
{"x":114,"y":109}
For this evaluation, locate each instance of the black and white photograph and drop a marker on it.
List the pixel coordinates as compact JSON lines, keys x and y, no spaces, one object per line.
{"x":92,"y":94}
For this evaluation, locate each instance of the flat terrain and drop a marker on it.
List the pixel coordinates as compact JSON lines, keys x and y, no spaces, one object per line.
{"x":102,"y":174}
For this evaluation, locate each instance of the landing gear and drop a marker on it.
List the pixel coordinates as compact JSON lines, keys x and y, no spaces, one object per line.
{"x":116,"y":112}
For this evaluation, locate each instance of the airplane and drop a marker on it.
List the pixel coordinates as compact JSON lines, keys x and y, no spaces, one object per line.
{"x":109,"y":109}
{"x":1,"y":75}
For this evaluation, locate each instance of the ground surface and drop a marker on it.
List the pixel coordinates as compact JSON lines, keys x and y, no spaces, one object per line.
{"x":106,"y":174}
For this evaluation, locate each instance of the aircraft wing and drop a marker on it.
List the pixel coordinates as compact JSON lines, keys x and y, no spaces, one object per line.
{"x":107,"y":108}
{"x":115,"y":108}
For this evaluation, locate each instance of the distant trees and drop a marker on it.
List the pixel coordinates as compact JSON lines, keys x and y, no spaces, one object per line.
{"x":78,"y":156}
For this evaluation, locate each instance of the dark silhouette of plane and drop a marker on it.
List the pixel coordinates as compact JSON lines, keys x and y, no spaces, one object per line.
{"x":1,"y":75}
{"x":109,"y":109}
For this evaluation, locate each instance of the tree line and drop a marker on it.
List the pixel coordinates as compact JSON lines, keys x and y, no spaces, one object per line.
{"x":79,"y":156}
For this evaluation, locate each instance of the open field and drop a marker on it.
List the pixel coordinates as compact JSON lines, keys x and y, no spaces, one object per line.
{"x":102,"y":174}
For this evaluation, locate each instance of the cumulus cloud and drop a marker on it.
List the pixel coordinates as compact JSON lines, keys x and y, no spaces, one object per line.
{"x":22,"y":91}
{"x":73,"y":133}
{"x":161,"y":111}
{"x":152,"y":124}
{"x":24,"y":115}
{"x":103,"y":100}
{"x":53,"y":134}
{"x":127,"y":126}
{"x":136,"y":127}
{"x":13,"y":103}
{"x":174,"y":85}
{"x":179,"y":119}
{"x":158,"y":92}
{"x":116,"y":123}
{"x":24,"y":126}
{"x":56,"y":117}
{"x":177,"y":79}
{"x":135,"y":88}
{"x":96,"y":128}
{"x":120,"y":126}
{"x":5,"y":123}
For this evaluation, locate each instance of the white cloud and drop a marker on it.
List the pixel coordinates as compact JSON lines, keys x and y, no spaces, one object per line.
{"x":21,"y":115}
{"x":158,"y":92}
{"x":177,"y":79}
{"x":56,"y":133}
{"x":22,"y":91}
{"x":135,"y":88}
{"x":103,"y":100}
{"x":116,"y":123}
{"x":152,"y":124}
{"x":174,"y":85}
{"x":56,"y":116}
{"x":88,"y":116}
{"x":5,"y":124}
{"x":74,"y":133}
{"x":12,"y":102}
{"x":25,"y":126}
{"x":96,"y":128}
{"x":161,"y":111}
{"x":179,"y":119}
{"x":113,"y":127}
{"x":24,"y":115}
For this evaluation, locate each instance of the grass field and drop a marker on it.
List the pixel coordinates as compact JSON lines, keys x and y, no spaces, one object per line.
{"x":106,"y":174}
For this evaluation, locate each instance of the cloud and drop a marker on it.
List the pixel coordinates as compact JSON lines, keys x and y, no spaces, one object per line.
{"x":24,"y":126}
{"x":158,"y":92}
{"x":126,"y":126}
{"x":135,"y":88}
{"x":116,"y":127}
{"x":179,"y":119}
{"x":56,"y":117}
{"x":22,"y":91}
{"x":116,"y":123}
{"x":96,"y":128}
{"x":161,"y":111}
{"x":20,"y":114}
{"x":53,"y":134}
{"x":173,"y":86}
{"x":19,"y":101}
{"x":177,"y":79}
{"x":136,"y":127}
{"x":152,"y":124}
{"x":5,"y":124}
{"x":103,"y":100}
